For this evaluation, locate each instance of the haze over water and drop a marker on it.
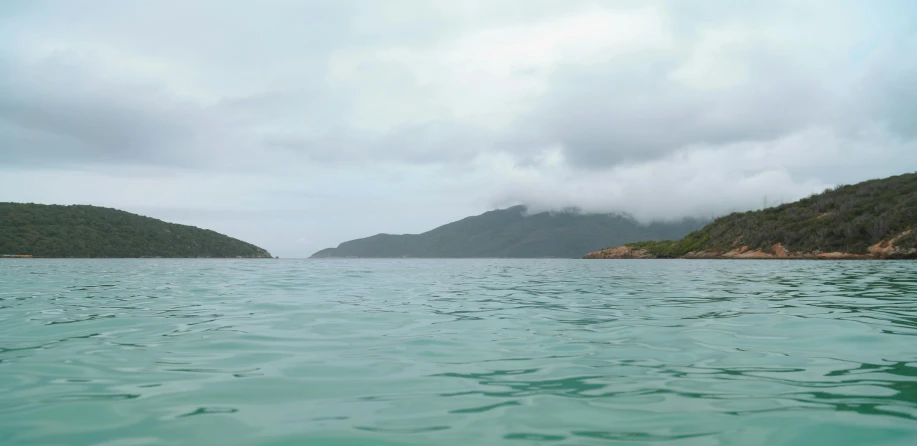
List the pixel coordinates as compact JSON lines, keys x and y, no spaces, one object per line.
{"x":457,"y":352}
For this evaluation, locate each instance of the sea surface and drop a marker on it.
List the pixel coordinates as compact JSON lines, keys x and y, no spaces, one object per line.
{"x":457,"y":352}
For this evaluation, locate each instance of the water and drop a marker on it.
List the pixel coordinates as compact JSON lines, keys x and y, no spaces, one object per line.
{"x":457,"y":352}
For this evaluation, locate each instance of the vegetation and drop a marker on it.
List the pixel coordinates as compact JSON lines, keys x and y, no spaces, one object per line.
{"x":846,"y":219}
{"x":511,"y":233}
{"x":90,"y":231}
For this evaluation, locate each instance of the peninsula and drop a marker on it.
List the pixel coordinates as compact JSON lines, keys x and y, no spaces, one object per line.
{"x":875,"y":219}
{"x":37,"y":230}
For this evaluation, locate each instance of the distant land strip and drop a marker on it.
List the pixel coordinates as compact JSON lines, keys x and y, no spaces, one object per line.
{"x":875,"y":219}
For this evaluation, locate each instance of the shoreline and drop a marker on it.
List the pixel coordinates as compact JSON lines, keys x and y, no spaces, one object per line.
{"x":876,"y":252}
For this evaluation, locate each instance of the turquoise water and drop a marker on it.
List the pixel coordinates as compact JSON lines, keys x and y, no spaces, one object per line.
{"x":457,"y":352}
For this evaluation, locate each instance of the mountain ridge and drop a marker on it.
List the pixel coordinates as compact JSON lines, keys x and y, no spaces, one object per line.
{"x":510,"y":233}
{"x":85,"y":231}
{"x":874,"y":219}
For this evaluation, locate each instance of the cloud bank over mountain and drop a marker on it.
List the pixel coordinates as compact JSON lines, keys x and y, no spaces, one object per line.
{"x":299,"y":125}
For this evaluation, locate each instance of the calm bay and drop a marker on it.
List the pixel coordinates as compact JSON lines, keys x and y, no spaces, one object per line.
{"x":457,"y":352}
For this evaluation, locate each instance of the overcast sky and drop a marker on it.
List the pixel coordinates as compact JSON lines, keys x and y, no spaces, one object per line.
{"x":297,"y":125}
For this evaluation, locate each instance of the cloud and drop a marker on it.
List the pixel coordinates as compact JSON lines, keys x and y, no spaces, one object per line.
{"x":421,"y":113}
{"x":885,"y":89}
{"x":56,"y":111}
{"x":704,"y":180}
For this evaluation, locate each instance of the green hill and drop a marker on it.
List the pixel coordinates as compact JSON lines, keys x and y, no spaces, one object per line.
{"x":91,"y":231}
{"x":511,"y":233}
{"x":872,"y":219}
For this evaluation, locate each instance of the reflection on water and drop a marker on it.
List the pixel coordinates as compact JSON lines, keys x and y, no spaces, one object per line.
{"x":457,"y":352}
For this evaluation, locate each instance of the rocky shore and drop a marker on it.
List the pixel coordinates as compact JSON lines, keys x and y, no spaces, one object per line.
{"x":882,"y":250}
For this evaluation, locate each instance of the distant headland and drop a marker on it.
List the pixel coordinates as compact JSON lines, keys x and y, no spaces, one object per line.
{"x":875,"y":219}
{"x":79,"y":231}
{"x":513,"y":233}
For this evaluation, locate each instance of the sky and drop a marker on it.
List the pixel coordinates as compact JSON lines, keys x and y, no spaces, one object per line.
{"x":297,"y":125}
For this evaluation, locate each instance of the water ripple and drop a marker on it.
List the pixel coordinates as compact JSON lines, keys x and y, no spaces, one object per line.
{"x":416,"y":352}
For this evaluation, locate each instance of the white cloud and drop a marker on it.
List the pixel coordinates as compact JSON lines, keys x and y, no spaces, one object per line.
{"x":344,"y":119}
{"x":701,"y":181}
{"x":488,"y":77}
{"x":716,"y":60}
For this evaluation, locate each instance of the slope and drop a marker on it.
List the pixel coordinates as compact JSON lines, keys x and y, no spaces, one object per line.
{"x":872,"y":219}
{"x":511,"y":233}
{"x":91,"y":231}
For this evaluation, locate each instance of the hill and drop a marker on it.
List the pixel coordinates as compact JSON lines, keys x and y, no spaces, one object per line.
{"x":511,"y":233}
{"x":872,"y":219}
{"x":91,"y":231}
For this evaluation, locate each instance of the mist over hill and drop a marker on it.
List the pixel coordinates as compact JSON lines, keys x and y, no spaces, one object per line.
{"x":872,"y":219}
{"x":511,"y":232}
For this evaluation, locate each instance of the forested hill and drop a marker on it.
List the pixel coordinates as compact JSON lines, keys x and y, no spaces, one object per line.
{"x":872,"y":219}
{"x":512,"y":233}
{"x":91,"y":231}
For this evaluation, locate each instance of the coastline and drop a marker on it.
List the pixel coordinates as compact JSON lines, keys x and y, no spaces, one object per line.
{"x":879,"y":251}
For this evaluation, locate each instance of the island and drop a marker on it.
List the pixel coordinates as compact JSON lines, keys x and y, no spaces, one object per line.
{"x":81,"y":231}
{"x":513,"y":232}
{"x":875,"y":219}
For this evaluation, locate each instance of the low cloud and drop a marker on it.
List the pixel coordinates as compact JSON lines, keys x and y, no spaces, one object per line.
{"x":425,"y":113}
{"x":705,"y":180}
